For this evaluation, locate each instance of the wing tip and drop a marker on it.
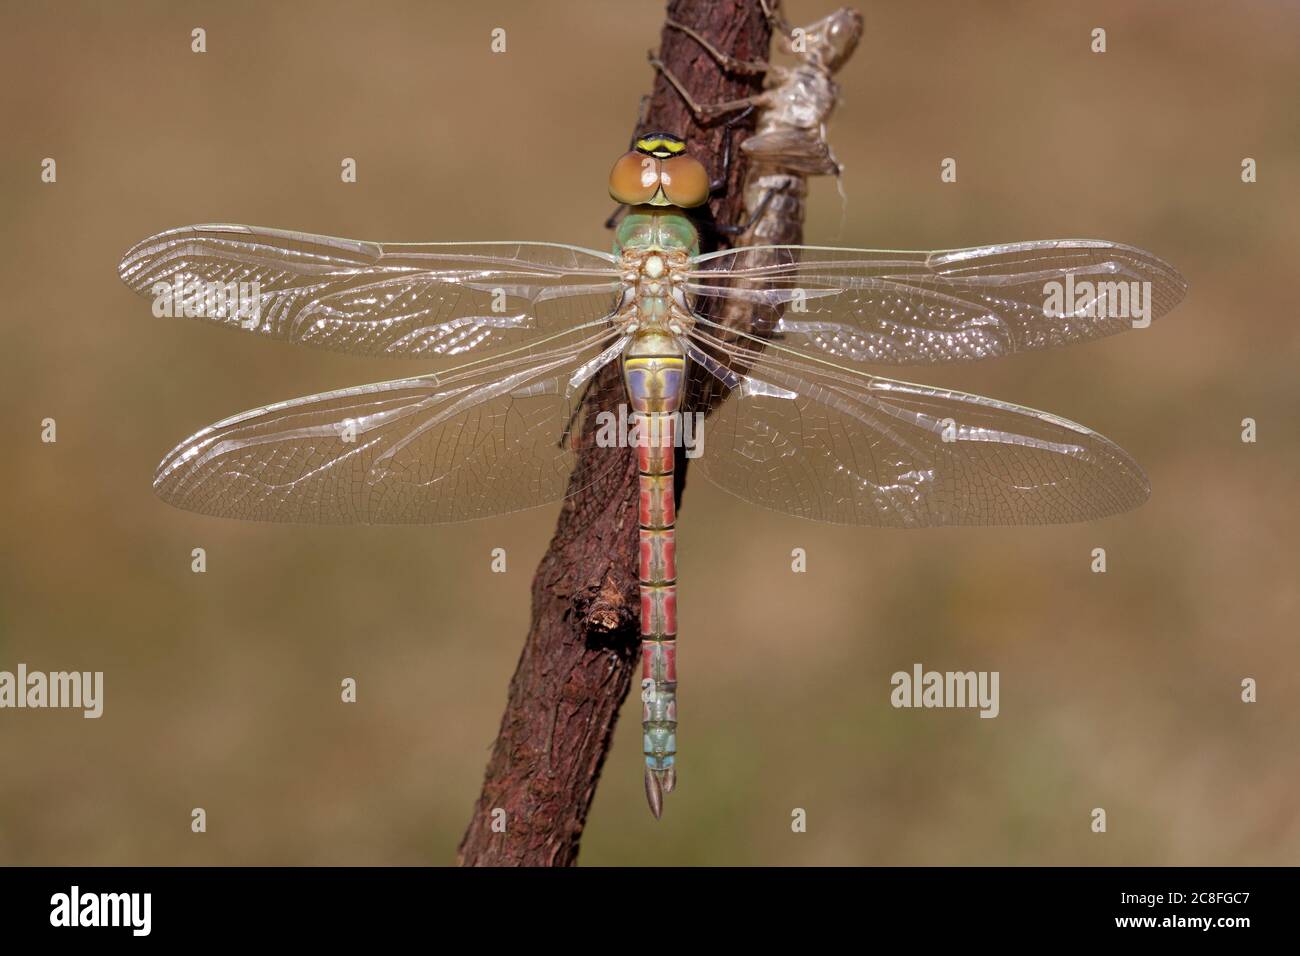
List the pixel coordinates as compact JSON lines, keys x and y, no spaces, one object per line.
{"x":137,"y":258}
{"x":135,"y":262}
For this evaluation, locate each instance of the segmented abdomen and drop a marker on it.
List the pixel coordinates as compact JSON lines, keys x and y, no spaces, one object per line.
{"x":654,"y":372}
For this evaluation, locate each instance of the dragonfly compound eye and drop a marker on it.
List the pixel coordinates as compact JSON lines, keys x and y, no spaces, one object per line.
{"x":634,"y":179}
{"x":685,"y":181}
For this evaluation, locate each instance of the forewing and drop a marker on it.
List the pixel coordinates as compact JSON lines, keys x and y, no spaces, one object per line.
{"x":921,"y":308}
{"x":367,"y":298}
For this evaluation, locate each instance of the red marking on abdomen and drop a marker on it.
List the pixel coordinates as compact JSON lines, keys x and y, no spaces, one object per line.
{"x":655,"y":460}
{"x":657,"y":507}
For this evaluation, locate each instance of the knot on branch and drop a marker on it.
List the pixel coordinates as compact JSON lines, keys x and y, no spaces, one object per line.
{"x":606,"y":614}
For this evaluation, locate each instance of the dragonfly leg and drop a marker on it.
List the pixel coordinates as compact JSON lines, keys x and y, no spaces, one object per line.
{"x":703,"y":113}
{"x":742,"y":228}
{"x":728,"y":63}
{"x":780,"y":25}
{"x":721,"y":182}
{"x":772,"y":10}
{"x":619,"y":212}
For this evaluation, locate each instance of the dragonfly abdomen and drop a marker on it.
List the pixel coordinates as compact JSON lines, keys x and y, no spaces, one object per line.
{"x":654,"y":374}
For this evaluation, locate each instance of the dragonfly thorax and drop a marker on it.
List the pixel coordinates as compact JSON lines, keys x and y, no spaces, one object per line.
{"x":654,"y":255}
{"x":648,"y":229}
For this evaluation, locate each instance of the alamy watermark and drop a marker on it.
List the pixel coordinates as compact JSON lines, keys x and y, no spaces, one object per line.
{"x":922,"y":688}
{"x":241,"y":301}
{"x":624,"y":429}
{"x":75,"y":908}
{"x":1098,"y":300}
{"x":77,"y":690}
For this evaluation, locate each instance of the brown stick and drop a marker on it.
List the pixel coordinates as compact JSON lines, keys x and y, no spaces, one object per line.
{"x":580,"y":655}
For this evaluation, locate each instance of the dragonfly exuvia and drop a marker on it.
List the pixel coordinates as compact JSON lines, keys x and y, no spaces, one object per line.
{"x":516,"y":330}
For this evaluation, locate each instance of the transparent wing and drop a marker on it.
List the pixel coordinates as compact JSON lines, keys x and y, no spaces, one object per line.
{"x":922,"y":308}
{"x":849,"y":448}
{"x":480,"y":440}
{"x":367,"y":298}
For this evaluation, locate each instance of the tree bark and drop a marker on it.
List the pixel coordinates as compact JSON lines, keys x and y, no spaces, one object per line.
{"x":581,"y":653}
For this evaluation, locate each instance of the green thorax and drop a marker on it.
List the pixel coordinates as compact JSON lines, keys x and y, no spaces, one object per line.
{"x":663,"y":228}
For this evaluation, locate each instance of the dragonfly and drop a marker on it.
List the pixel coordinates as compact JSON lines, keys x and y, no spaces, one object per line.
{"x":515,"y":331}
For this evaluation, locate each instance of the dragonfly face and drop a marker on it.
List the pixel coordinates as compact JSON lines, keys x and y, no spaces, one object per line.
{"x":659,"y":172}
{"x":515,"y":330}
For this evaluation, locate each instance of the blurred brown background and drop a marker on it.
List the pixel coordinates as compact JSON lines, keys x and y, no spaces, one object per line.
{"x":1118,"y":690}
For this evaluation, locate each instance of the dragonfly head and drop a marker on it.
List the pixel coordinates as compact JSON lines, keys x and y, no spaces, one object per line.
{"x":659,"y":172}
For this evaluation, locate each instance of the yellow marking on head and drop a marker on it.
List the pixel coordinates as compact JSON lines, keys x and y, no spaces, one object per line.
{"x":660,"y":146}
